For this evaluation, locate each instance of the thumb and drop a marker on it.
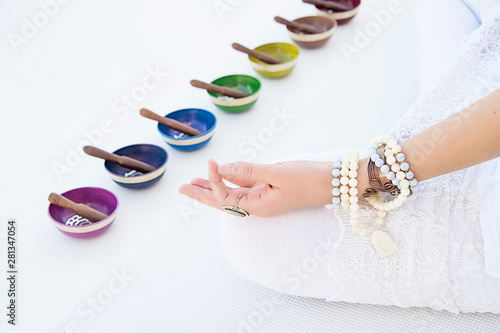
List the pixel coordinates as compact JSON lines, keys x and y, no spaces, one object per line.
{"x":247,"y":174}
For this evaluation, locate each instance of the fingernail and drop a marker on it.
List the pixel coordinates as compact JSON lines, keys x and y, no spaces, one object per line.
{"x":226,"y":170}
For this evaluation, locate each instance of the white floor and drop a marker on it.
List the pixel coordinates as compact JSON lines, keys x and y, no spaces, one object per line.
{"x":159,"y":268}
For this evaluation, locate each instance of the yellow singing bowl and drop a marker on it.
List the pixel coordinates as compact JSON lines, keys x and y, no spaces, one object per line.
{"x":286,"y":52}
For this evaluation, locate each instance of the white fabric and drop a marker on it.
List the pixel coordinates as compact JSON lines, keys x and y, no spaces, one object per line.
{"x":160,"y":268}
{"x":440,"y":262}
{"x":439,"y":34}
{"x":64,"y":83}
{"x":490,"y":222}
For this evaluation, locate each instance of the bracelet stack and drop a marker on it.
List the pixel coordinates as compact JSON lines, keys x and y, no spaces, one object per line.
{"x":336,"y":184}
{"x":387,"y":162}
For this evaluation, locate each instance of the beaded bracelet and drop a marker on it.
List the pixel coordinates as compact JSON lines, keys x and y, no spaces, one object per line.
{"x":336,"y":184}
{"x":344,"y":181}
{"x":395,"y":167}
{"x":386,"y":159}
{"x":345,"y":192}
{"x":396,"y":170}
{"x":353,"y":193}
{"x":392,"y":170}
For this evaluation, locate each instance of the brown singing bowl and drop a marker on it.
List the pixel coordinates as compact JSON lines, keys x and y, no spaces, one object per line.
{"x":312,"y":41}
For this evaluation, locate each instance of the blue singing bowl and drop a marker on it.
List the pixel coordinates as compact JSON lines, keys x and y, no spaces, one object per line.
{"x":150,"y":154}
{"x":200,"y":119}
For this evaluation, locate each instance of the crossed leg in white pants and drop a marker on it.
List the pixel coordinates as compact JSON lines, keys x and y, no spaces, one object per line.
{"x":288,"y":252}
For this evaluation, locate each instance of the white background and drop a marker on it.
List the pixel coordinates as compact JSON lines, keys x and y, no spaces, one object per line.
{"x":64,"y":80}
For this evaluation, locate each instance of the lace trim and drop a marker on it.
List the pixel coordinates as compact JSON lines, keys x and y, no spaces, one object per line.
{"x":440,"y":253}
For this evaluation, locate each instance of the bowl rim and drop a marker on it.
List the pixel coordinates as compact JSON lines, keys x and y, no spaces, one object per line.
{"x":339,"y":15}
{"x":234,"y":102}
{"x":275,"y":68}
{"x":142,"y":178}
{"x":208,"y":131}
{"x":276,"y":43}
{"x":260,"y":66}
{"x":251,"y":78}
{"x":86,"y":228}
{"x":314,"y":37}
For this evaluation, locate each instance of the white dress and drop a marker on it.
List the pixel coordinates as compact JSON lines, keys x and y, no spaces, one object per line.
{"x":448,"y":237}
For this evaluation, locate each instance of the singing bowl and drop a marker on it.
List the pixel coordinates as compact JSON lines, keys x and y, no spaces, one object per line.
{"x":326,"y":25}
{"x":341,"y":17}
{"x":95,"y":197}
{"x":200,"y":119}
{"x":287,"y":53}
{"x":147,"y":153}
{"x":245,"y":83}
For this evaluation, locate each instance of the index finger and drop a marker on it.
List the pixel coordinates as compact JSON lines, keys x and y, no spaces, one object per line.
{"x":219,"y":189}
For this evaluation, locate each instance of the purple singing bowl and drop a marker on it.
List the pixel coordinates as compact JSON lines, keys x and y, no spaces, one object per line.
{"x":95,"y":197}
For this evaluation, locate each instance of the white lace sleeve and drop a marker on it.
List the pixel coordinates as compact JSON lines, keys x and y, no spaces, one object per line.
{"x":440,"y":256}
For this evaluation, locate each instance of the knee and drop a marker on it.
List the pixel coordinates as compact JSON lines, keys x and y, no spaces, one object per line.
{"x":286,"y":253}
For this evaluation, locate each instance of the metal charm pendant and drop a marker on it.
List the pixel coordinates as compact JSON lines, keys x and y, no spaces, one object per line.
{"x":235,"y":210}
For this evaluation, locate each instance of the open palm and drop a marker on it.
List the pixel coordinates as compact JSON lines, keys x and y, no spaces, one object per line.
{"x":266,"y":189}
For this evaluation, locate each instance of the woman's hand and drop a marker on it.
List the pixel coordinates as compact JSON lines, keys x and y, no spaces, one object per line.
{"x":267,"y":189}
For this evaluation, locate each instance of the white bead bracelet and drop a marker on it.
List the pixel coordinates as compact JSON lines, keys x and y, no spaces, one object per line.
{"x":392,"y":164}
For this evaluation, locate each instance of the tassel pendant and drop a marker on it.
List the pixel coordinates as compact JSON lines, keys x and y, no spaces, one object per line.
{"x":383,"y":243}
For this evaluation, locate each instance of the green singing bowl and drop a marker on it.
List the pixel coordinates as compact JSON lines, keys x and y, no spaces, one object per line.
{"x":245,"y":83}
{"x":288,"y":53}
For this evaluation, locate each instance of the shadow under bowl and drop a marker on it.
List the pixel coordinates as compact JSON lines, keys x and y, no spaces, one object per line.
{"x":286,"y":52}
{"x":245,"y":83}
{"x":326,"y":25}
{"x":95,"y":197}
{"x":341,"y":17}
{"x":147,"y":153}
{"x":200,"y":119}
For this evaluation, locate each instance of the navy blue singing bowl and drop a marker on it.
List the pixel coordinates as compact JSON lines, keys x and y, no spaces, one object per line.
{"x":200,"y":119}
{"x":150,"y":154}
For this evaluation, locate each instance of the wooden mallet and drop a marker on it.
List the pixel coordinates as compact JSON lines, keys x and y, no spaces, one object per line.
{"x":172,"y":123}
{"x":124,"y":161}
{"x":226,"y":91}
{"x":298,"y":26}
{"x":85,"y":211}
{"x":256,"y":54}
{"x":329,"y":5}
